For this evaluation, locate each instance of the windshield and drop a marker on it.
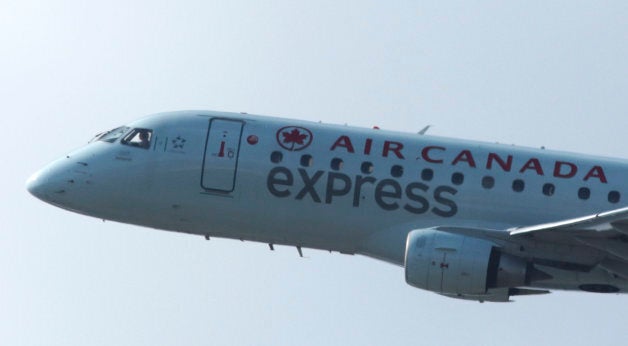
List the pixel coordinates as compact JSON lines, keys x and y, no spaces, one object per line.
{"x":111,"y":136}
{"x":138,"y":138}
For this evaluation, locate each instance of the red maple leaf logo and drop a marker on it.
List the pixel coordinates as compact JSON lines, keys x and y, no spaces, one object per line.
{"x":295,"y":137}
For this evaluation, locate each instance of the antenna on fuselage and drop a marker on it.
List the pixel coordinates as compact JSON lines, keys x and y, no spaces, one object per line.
{"x":422,"y":132}
{"x":300,"y":251}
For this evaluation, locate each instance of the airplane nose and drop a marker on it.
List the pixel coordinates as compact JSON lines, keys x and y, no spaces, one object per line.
{"x":65,"y":182}
{"x":37,"y":185}
{"x":51,"y":183}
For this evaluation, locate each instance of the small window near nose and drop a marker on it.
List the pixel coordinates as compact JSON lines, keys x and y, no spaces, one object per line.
{"x":139,"y":138}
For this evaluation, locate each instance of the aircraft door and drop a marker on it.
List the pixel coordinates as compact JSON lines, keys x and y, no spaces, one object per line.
{"x":220,"y":161}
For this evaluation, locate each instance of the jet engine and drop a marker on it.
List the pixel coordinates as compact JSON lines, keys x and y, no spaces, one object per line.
{"x":465,"y":267}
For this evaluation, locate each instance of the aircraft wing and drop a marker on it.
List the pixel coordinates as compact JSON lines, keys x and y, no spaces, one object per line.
{"x":611,"y":221}
{"x":605,"y":233}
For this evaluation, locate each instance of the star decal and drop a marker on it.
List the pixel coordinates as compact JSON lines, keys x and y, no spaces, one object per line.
{"x":178,"y":142}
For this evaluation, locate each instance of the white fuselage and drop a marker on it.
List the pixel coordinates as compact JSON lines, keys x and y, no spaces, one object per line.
{"x":338,"y":188}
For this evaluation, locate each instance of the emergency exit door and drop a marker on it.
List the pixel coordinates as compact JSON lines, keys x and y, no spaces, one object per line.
{"x":222,"y":147}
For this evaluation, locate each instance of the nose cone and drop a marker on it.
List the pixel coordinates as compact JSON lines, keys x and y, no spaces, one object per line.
{"x":38,"y":185}
{"x":51,"y":183}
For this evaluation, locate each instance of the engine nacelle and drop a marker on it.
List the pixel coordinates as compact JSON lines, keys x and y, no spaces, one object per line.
{"x":460,"y":266}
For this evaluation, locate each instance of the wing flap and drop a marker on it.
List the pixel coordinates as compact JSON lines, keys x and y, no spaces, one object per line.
{"x":616,"y":248}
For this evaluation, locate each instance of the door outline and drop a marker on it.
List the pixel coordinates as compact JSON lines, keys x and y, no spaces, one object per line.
{"x":237,"y":155}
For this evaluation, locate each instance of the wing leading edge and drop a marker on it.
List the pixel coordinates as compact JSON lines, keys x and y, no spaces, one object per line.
{"x":611,"y":221}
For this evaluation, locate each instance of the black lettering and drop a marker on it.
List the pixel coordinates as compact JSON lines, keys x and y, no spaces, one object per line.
{"x":331,"y":191}
{"x":438,"y":196}
{"x":308,"y":188}
{"x":388,"y":192}
{"x":357,"y":193}
{"x":380,"y":194}
{"x":425,"y":205}
{"x":279,"y":176}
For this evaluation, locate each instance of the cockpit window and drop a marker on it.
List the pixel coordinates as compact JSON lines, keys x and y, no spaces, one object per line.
{"x":111,"y":136}
{"x":138,"y":138}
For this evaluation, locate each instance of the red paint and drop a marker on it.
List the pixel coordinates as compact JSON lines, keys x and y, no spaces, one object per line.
{"x":395,"y":147}
{"x":465,"y":156}
{"x":252,"y":139}
{"x":534,"y":165}
{"x":221,"y":152}
{"x":505,"y":165}
{"x":294,"y":138}
{"x":559,"y":172}
{"x":344,"y":142}
{"x":367,"y":146}
{"x":443,"y":155}
{"x":425,"y":154}
{"x":596,"y":172}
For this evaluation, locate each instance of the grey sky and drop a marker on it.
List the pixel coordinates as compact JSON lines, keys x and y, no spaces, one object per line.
{"x":527,"y":72}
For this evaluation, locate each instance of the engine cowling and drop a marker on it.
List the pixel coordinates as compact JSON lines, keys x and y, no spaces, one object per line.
{"x":461,"y":266}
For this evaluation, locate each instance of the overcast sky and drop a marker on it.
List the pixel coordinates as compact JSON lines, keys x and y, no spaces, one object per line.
{"x":552,"y":73}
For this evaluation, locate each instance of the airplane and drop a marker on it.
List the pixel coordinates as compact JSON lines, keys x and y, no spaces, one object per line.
{"x":465,"y":219}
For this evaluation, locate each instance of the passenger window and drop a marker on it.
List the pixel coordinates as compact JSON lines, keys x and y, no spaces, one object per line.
{"x":457,"y":178}
{"x":336,"y":164}
{"x":518,"y":185}
{"x":396,"y":171}
{"x":113,"y":135}
{"x":367,"y":167}
{"x":307,"y":160}
{"x":138,"y":138}
{"x":549,"y":189}
{"x":488,"y":182}
{"x":427,"y":174}
{"x":614,"y":197}
{"x":276,"y":157}
{"x":584,"y":193}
